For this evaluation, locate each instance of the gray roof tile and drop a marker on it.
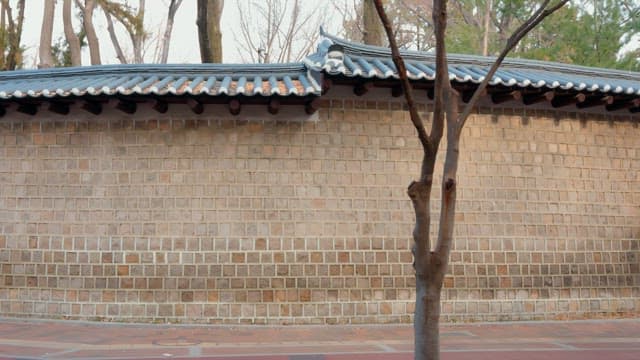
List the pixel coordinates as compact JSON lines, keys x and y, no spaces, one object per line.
{"x":357,"y":64}
{"x":373,"y":62}
{"x":150,"y":79}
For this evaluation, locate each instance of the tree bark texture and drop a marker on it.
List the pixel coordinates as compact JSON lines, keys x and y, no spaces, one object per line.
{"x":214,"y":14}
{"x":13,"y":58}
{"x":138,"y":35}
{"x":133,"y":22}
{"x":487,"y":24}
{"x":70,"y":34}
{"x":92,"y":38}
{"x":209,"y":34}
{"x":426,"y":328}
{"x":166,"y":37}
{"x":114,"y":39}
{"x":3,"y":37}
{"x":371,"y":27}
{"x":46,"y":58}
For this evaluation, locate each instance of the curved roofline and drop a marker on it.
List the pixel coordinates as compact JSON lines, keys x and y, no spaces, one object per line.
{"x":462,"y":59}
{"x":173,"y":69}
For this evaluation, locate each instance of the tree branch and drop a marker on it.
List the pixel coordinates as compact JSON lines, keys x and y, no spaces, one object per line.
{"x":442,"y":86}
{"x":521,"y":32}
{"x":114,"y":39}
{"x":404,"y":80}
{"x":70,"y":35}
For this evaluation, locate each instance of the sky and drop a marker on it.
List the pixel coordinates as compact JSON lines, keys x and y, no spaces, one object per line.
{"x":184,"y":42}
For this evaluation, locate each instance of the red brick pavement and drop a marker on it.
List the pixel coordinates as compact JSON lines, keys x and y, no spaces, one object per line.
{"x":579,"y":340}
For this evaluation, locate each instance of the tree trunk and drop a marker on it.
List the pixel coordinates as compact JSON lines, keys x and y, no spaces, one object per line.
{"x":3,"y":34}
{"x":487,"y":24}
{"x":214,"y":14}
{"x":209,"y":34}
{"x":138,"y":34}
{"x":14,"y":34}
{"x":372,"y":28}
{"x":70,"y":34}
{"x":427,"y":311}
{"x":203,"y":34}
{"x":92,"y":38}
{"x":114,"y":39}
{"x":166,"y":38}
{"x":427,"y":320}
{"x":46,"y":58}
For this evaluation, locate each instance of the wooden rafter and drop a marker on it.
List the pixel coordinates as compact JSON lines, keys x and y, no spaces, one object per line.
{"x":567,"y":99}
{"x":234,"y":106}
{"x":60,"y":107}
{"x":94,"y":107}
{"x":160,"y":106}
{"x":195,"y":105}
{"x":620,"y":103}
{"x":274,"y":106}
{"x":594,"y":100}
{"x":396,"y":91}
{"x":127,"y":106}
{"x":538,"y":97}
{"x":29,"y":108}
{"x":311,"y":106}
{"x":362,"y":88}
{"x":501,"y":97}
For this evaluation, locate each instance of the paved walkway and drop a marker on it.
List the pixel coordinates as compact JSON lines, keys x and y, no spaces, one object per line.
{"x":583,"y":340}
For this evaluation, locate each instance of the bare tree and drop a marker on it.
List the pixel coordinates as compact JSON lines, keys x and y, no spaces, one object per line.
{"x":70,"y":34}
{"x":209,"y":34}
{"x":277,"y":30}
{"x":431,"y":263}
{"x":46,"y":33}
{"x":114,"y":39}
{"x":411,"y":22}
{"x":487,"y":27}
{"x":133,"y":22}
{"x":351,"y":15}
{"x":11,"y":29}
{"x":138,"y":34}
{"x":166,"y":38}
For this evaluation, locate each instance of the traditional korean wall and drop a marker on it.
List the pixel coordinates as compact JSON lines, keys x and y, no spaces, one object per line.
{"x":212,"y":219}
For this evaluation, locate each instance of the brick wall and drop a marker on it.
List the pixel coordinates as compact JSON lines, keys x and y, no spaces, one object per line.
{"x":213,"y":219}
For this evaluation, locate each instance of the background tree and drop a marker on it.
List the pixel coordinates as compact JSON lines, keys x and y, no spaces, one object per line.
{"x":46,"y":35}
{"x":430,"y":262}
{"x":174,"y":5}
{"x":209,"y":34}
{"x":597,"y":33}
{"x":411,"y":22}
{"x":10,"y":35}
{"x":587,"y":32}
{"x":371,"y":26}
{"x":61,"y":53}
{"x":89,"y":29}
{"x":72,"y":39}
{"x":278,"y":30}
{"x":132,"y":19}
{"x":114,"y":38}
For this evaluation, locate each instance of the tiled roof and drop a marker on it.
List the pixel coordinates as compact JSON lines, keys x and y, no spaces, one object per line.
{"x":148,"y":79}
{"x":532,"y":82}
{"x":372,"y":62}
